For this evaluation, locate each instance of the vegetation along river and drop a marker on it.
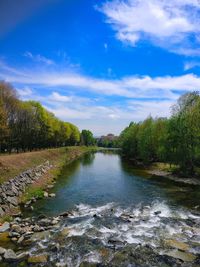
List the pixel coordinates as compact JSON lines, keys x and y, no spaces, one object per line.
{"x":118,"y":216}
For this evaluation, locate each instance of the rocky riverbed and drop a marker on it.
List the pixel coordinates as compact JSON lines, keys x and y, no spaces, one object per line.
{"x":108,"y":235}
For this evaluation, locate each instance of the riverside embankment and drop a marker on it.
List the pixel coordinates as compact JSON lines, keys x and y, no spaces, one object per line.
{"x":25,"y":176}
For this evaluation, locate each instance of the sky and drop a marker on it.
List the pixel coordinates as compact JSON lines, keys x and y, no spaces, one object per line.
{"x":101,"y":64}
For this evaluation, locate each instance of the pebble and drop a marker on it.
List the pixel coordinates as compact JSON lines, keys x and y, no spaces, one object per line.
{"x":46,"y":194}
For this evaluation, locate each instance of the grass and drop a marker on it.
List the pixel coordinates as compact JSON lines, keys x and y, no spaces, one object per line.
{"x":14,"y":164}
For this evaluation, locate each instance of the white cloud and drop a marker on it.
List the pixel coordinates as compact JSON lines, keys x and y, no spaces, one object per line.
{"x":166,"y":23}
{"x":191,"y":64}
{"x":25,"y":92}
{"x":129,"y":87}
{"x":55,"y":96}
{"x":39,"y":58}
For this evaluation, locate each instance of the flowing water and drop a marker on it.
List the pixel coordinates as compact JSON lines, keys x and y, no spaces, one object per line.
{"x":118,"y":216}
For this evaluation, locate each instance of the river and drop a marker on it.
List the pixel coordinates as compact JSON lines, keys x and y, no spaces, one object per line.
{"x":100,"y":178}
{"x":118,"y":216}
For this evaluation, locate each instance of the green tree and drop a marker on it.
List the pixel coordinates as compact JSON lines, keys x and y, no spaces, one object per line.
{"x":87,"y":138}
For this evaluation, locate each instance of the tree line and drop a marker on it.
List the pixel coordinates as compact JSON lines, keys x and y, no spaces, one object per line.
{"x":175,"y":140}
{"x":27,"y":125}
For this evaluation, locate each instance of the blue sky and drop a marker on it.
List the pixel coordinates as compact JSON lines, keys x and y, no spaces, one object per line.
{"x":101,"y":64}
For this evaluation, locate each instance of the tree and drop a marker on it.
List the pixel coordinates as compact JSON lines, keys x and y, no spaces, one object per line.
{"x":27,"y":125}
{"x":87,"y":138}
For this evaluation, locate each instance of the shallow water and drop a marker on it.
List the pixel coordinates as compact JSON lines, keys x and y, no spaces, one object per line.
{"x":118,"y":216}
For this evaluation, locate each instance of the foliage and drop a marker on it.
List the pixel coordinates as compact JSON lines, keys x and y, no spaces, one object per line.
{"x":27,"y":125}
{"x":87,"y":138}
{"x":175,"y":140}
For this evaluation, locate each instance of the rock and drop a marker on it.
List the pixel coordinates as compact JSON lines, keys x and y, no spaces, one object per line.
{"x":13,"y":200}
{"x":37,"y":228}
{"x":16,"y":228}
{"x":40,"y":235}
{"x":22,"y":256}
{"x":54,"y":222}
{"x":2,"y":250}
{"x":18,"y":219}
{"x":157,"y":212}
{"x":10,"y":255}
{"x":49,"y":186}
{"x":188,"y":257}
{"x":45,"y":222}
{"x":1,"y":259}
{"x":14,"y":234}
{"x":65,"y":214}
{"x":38,"y":259}
{"x":52,"y":195}
{"x":28,"y":203}
{"x":18,"y":214}
{"x":46,"y":194}
{"x":4,"y":227}
{"x":177,"y":244}
{"x":1,"y":212}
{"x":20,"y":240}
{"x":65,"y":231}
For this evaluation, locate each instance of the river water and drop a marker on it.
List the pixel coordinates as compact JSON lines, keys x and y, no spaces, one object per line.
{"x":100,"y":178}
{"x":118,"y":216}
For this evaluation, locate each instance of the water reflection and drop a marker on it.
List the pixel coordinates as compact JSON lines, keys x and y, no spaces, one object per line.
{"x":87,"y":159}
{"x":177,"y":193}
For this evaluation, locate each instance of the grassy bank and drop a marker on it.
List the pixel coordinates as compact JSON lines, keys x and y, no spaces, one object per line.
{"x":12,"y":165}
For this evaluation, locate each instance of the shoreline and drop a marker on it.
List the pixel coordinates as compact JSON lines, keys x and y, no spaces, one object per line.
{"x":38,"y":187}
{"x":170,"y":176}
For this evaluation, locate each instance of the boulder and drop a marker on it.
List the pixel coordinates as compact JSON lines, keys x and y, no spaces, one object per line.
{"x":52,"y":195}
{"x":38,"y":258}
{"x":2,"y":250}
{"x":177,"y":244}
{"x":10,"y":255}
{"x":184,"y":256}
{"x":4,"y":227}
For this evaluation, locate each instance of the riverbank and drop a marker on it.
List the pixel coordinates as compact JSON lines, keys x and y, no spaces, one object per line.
{"x":163,"y":170}
{"x":26,"y":164}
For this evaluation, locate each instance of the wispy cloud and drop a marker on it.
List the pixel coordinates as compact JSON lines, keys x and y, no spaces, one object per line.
{"x":170,"y":24}
{"x":129,"y":87}
{"x":191,"y":64}
{"x":39,"y":58}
